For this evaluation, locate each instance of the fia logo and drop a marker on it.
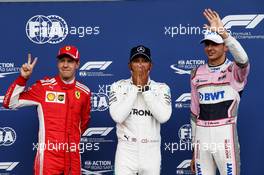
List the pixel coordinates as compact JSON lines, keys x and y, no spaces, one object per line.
{"x":185,"y":133}
{"x":100,"y":100}
{"x":7,"y":136}
{"x":42,"y":29}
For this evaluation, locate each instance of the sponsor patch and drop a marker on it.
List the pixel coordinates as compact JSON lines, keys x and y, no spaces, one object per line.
{"x":51,"y":96}
{"x":55,"y":97}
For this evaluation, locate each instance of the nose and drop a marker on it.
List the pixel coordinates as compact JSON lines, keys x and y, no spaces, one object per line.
{"x":209,"y":47}
{"x":65,"y":64}
{"x":140,"y":63}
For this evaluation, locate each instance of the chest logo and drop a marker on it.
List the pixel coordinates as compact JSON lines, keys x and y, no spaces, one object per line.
{"x":61,"y":97}
{"x":77,"y":94}
{"x":55,"y":97}
{"x":50,"y":96}
{"x":222,"y":78}
{"x":211,"y":96}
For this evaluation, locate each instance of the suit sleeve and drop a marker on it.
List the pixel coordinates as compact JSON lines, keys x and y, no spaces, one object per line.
{"x":241,"y":66}
{"x":195,"y":109}
{"x":86,"y":113}
{"x":122,"y":98}
{"x":16,"y":95}
{"x":158,"y":99}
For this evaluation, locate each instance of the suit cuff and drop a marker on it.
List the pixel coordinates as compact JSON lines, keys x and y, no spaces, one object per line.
{"x":21,"y":81}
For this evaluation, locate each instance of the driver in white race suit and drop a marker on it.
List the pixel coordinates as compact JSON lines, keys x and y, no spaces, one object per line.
{"x":138,"y":105}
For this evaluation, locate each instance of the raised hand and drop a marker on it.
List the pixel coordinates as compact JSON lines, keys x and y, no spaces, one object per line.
{"x":215,"y":23}
{"x":27,"y":68}
{"x":140,"y":76}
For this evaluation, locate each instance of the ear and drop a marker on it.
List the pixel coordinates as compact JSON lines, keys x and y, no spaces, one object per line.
{"x":225,"y":48}
{"x":58,"y":63}
{"x":78,"y":65}
{"x":150,"y":66}
{"x":129,"y":66}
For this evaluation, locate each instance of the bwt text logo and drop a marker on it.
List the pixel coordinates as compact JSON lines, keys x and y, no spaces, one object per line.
{"x":212,"y":96}
{"x":183,"y":101}
{"x":101,"y":131}
{"x":185,"y":66}
{"x":250,"y":21}
{"x":229,"y":168}
{"x":184,"y":167}
{"x":97,"y":66}
{"x":7,"y":136}
{"x":185,"y":133}
{"x":53,"y":29}
{"x":199,"y":169}
{"x":8,"y":166}
{"x":100,"y":100}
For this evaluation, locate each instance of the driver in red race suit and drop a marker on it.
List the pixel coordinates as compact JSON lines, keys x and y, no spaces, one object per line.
{"x":216,"y":90}
{"x":63,"y":106}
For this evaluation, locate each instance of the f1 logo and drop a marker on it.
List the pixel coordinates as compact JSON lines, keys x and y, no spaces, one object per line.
{"x":101,"y":65}
{"x":8,"y":166}
{"x":250,"y":21}
{"x":184,"y":164}
{"x":184,"y":97}
{"x":102,"y":131}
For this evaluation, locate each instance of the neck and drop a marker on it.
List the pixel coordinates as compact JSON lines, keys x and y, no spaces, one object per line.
{"x":67,"y":80}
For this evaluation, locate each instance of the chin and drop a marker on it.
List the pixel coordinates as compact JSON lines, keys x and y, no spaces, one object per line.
{"x":212,"y":58}
{"x":66,"y":76}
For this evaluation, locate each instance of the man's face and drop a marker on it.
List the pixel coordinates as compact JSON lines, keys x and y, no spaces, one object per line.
{"x":140,"y":64}
{"x":67,"y":68}
{"x":214,"y":51}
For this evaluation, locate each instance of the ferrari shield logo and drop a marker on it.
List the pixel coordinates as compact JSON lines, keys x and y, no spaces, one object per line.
{"x":77,"y":94}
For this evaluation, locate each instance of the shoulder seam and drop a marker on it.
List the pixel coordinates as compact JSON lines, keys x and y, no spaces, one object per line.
{"x":82,"y":87}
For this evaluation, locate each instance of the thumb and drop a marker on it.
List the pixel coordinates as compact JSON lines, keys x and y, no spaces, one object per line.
{"x":206,"y":27}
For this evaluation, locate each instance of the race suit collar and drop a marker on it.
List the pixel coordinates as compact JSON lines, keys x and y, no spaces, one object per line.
{"x":65,"y":85}
{"x":220,"y":67}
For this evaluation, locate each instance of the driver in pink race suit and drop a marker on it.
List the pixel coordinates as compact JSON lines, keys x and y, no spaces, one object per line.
{"x":216,"y":89}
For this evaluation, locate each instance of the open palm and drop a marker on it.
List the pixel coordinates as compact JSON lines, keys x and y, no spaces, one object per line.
{"x":215,"y":23}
